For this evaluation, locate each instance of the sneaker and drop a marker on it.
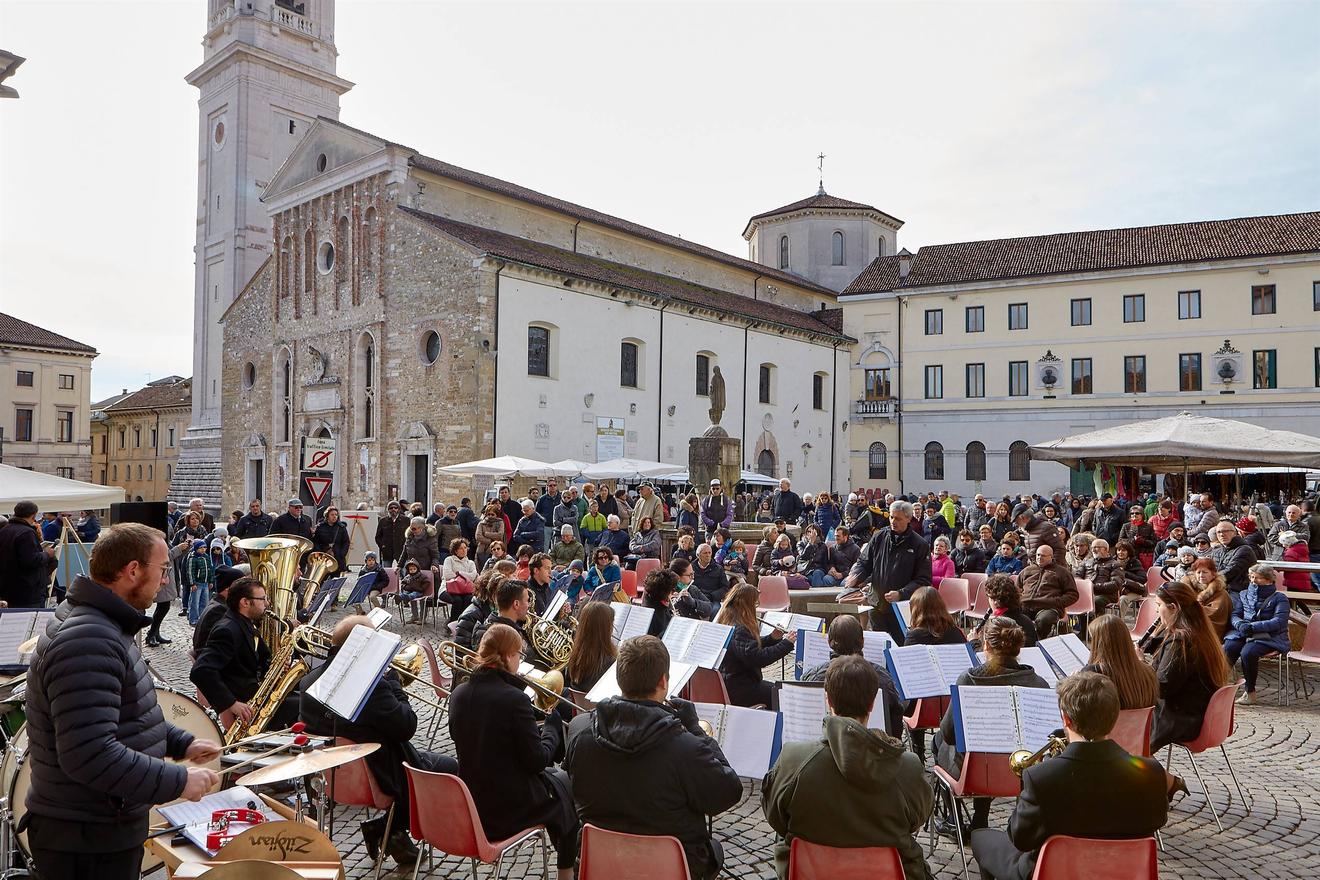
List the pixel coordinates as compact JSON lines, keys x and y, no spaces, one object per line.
{"x":1247,"y":699}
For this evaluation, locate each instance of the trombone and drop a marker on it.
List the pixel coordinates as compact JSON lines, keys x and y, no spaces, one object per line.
{"x":549,"y":688}
{"x":407,"y":663}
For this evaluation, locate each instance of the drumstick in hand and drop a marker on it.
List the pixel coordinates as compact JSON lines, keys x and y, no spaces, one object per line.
{"x":298,"y":727}
{"x":299,"y":740}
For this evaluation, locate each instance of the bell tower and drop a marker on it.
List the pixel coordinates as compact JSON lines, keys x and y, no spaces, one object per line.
{"x":268,"y":71}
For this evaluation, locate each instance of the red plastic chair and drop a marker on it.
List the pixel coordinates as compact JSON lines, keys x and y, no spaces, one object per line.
{"x":1216,"y":728}
{"x":629,"y":582}
{"x":427,"y":597}
{"x":926,"y":713}
{"x":391,"y":587}
{"x":443,"y":683}
{"x":1309,"y":652}
{"x":1132,"y":731}
{"x":609,"y":855}
{"x":815,"y":861}
{"x":707,"y":686}
{"x":1085,"y":604}
{"x":975,"y":581}
{"x":774,"y":593}
{"x":354,"y":785}
{"x":956,"y":593}
{"x":1148,"y":613}
{"x":645,"y":567}
{"x":980,"y":601}
{"x":983,"y":775}
{"x":1154,"y":579}
{"x":1071,"y":857}
{"x":444,"y":817}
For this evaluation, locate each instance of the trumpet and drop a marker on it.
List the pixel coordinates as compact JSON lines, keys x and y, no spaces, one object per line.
{"x":548,"y":687}
{"x":1020,"y":760}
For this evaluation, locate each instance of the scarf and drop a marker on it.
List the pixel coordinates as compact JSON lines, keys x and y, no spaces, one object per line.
{"x":1249,"y":600}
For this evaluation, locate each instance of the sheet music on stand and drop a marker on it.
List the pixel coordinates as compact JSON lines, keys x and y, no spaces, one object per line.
{"x":18,"y":625}
{"x":1067,"y":652}
{"x":928,"y":670}
{"x":608,"y":685}
{"x":1037,"y":660}
{"x":630,"y":620}
{"x":195,"y":817}
{"x":802,"y":704}
{"x":1000,"y":720}
{"x":749,"y":738}
{"x":698,"y":642}
{"x":787,"y":621}
{"x":813,"y":649}
{"x":379,"y":617}
{"x":349,"y":679}
{"x":557,"y":603}
{"x":903,"y":611}
{"x":329,"y":589}
{"x":319,"y":609}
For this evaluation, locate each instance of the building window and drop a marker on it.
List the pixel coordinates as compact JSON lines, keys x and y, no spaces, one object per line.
{"x":1189,"y":304}
{"x":286,"y":422}
{"x":975,"y":317}
{"x":1081,"y":376}
{"x":1262,"y":299}
{"x":1017,"y":378}
{"x":1189,"y":372}
{"x":765,"y":381}
{"x":66,"y":381}
{"x":765,"y":463}
{"x":1134,"y":374}
{"x":1263,"y":374}
{"x":934,"y":459}
{"x":65,"y":472}
{"x":1317,"y":368}
{"x":703,"y":375}
{"x":104,"y":442}
{"x":169,"y":472}
{"x":976,"y":380}
{"x":169,"y":434}
{"x":1315,"y":296}
{"x":838,"y":252}
{"x":934,"y":382}
{"x":1019,"y":462}
{"x":23,"y":425}
{"x":151,"y":472}
{"x":818,"y":391}
{"x":877,"y":384}
{"x":976,"y":461}
{"x":137,"y":438}
{"x":139,"y":476}
{"x":783,"y":251}
{"x":934,"y":322}
{"x":628,"y":364}
{"x":1081,"y":313}
{"x":1017,"y":316}
{"x":367,"y":354}
{"x":121,"y":438}
{"x":877,"y":462}
{"x":538,"y":351}
{"x":431,"y":347}
{"x":880,"y":246}
{"x":115,"y":473}
{"x":153,"y":439}
{"x":24,"y":378}
{"x":103,"y":477}
{"x":64,"y":423}
{"x":1134,"y":308}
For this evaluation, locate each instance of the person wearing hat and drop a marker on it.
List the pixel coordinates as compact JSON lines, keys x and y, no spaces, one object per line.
{"x":648,"y":504}
{"x":371,"y":579}
{"x":571,"y":581}
{"x":1036,"y":530}
{"x":1295,"y":550}
{"x":293,"y":522}
{"x":717,"y":509}
{"x":201,"y":573}
{"x":567,"y":548}
{"x":391,"y":532}
{"x":225,"y":577}
{"x":1109,"y":519}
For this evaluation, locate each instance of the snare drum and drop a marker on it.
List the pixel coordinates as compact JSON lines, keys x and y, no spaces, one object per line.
{"x":16,"y":773}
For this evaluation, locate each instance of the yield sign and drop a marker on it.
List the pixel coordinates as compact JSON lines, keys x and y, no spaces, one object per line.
{"x":318,"y":488}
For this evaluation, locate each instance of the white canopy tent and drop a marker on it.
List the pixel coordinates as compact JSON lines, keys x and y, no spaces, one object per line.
{"x":502,"y":466}
{"x":631,"y":469}
{"x":569,"y":467}
{"x":52,"y":493}
{"x":752,"y":478}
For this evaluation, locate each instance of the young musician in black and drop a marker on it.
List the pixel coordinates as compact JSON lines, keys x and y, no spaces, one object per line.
{"x":513,"y":599}
{"x":231,"y":665}
{"x":747,"y":655}
{"x":1093,"y":789}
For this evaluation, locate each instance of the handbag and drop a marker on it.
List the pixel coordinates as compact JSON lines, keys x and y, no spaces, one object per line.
{"x":459,"y":585}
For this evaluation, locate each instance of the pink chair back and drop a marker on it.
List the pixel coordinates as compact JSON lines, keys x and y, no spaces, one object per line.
{"x":1069,"y":857}
{"x":354,"y":785}
{"x":645,"y":567}
{"x":986,"y":775}
{"x":774,"y":593}
{"x":1085,"y":603}
{"x":980,"y":598}
{"x":814,"y":861}
{"x":1153,"y":579}
{"x":956,"y":594}
{"x":438,"y":676}
{"x":1132,"y":731}
{"x":608,"y":855}
{"x":442,"y":813}
{"x":926,"y":714}
{"x":1147,"y":614}
{"x":391,"y":581}
{"x":707,"y":686}
{"x":629,"y":582}
{"x":1217,"y":725}
{"x":1311,"y":643}
{"x":974,"y":581}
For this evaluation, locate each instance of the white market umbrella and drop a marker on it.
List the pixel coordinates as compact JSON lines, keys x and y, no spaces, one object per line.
{"x":752,"y":478}
{"x":569,"y":467}
{"x":51,"y":493}
{"x":629,"y":469}
{"x":501,"y":466}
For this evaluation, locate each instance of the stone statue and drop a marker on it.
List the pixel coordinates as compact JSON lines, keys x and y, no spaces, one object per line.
{"x":320,"y":363}
{"x":716,"y":397}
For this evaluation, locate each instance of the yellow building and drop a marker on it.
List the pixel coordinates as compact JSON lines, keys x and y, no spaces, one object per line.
{"x":970,"y":352}
{"x":136,"y":438}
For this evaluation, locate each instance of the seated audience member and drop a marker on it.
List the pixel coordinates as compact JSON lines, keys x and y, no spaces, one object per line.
{"x":1212,"y":593}
{"x":1048,"y":590}
{"x":1006,"y":601}
{"x":1257,"y":626}
{"x":1295,"y":549}
{"x":481,"y":606}
{"x":640,"y":764}
{"x":846,"y":638}
{"x":747,"y":655}
{"x":843,"y":554}
{"x":941,"y":563}
{"x":1189,"y":664}
{"x":1131,"y":576}
{"x":1114,"y":655}
{"x":967,"y":556}
{"x":1002,"y":640}
{"x":1093,"y":789}
{"x":1005,"y":561}
{"x":567,"y":548}
{"x":1177,"y":537}
{"x":603,"y":571}
{"x":1179,"y":566}
{"x":709,"y":576}
{"x":686,"y":547}
{"x":852,"y":787}
{"x":735,"y":561}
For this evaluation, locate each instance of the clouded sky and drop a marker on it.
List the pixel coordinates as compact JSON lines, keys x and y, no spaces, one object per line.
{"x":966,"y":120}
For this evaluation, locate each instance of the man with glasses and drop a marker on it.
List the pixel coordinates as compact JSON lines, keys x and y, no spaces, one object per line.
{"x":293,"y":522}
{"x":391,"y":532}
{"x":229,"y":669}
{"x":716,"y":509}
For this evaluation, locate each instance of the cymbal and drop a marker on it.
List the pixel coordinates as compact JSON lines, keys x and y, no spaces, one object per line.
{"x":308,"y":763}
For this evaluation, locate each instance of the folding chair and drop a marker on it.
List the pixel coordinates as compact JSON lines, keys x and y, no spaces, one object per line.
{"x":707,"y":686}
{"x":774,"y":593}
{"x":1085,"y":604}
{"x":956,"y":593}
{"x":442,"y":682}
{"x":1309,"y":653}
{"x":354,"y":785}
{"x":1147,"y":614}
{"x":1216,"y":728}
{"x":645,"y":567}
{"x":983,"y":775}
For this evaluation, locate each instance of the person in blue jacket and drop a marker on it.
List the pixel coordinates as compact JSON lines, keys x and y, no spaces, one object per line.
{"x":1005,"y":561}
{"x":1257,"y":626}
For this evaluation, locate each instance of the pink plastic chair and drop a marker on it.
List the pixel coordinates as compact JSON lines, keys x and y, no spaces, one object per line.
{"x":926,"y":713}
{"x":1309,"y":652}
{"x":1216,"y":728}
{"x":391,"y":587}
{"x":354,"y":785}
{"x":983,"y":775}
{"x":444,"y":817}
{"x":707,"y":686}
{"x":629,"y":582}
{"x":609,"y":855}
{"x":774,"y":593}
{"x":1154,"y":580}
{"x":975,"y":581}
{"x":814,"y":861}
{"x":1085,"y":604}
{"x":980,"y":601}
{"x":1147,"y":614}
{"x":956,"y":593}
{"x":442,"y":681}
{"x":1070,"y":857}
{"x":1132,"y":731}
{"x":645,"y":567}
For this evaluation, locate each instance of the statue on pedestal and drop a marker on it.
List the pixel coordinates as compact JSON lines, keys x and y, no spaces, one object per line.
{"x":716,"y":397}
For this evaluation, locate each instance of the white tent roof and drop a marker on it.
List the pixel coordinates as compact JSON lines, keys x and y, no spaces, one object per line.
{"x":1184,"y":442}
{"x":750,"y":477}
{"x":503,"y":466}
{"x":51,"y":493}
{"x":629,"y":469}
{"x":569,"y":467}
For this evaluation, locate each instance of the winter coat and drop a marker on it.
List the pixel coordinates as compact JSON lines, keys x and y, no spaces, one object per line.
{"x":688,"y":515}
{"x":851,"y":788}
{"x":390,"y":534}
{"x":933,"y":526}
{"x":718,"y":512}
{"x":712,"y":581}
{"x":546,"y":504}
{"x":743,"y":662}
{"x":591,"y":528}
{"x":892,"y":561}
{"x":249,"y":526}
{"x":1301,"y":528}
{"x":761,"y":558}
{"x":596,"y":578}
{"x":629,"y":746}
{"x":1297,"y":580}
{"x":1267,"y":624}
{"x":1218,"y":603}
{"x":1000,"y":527}
{"x":942,"y":567}
{"x":447,"y":530}
{"x":562,"y":554}
{"x":616,"y":540}
{"x":1109,"y":522}
{"x":828,"y":516}
{"x":1207,"y":521}
{"x":843,"y":557}
{"x":423,"y":548}
{"x":288,"y":524}
{"x":96,"y":734}
{"x":566,"y":515}
{"x":491,"y":528}
{"x":1038,"y":531}
{"x":25,"y":567}
{"x":787,"y":505}
{"x":645,"y":544}
{"x":230,"y":667}
{"x":1234,"y":560}
{"x":332,"y":538}
{"x":471,"y":618}
{"x":1161,"y":524}
{"x":972,"y":559}
{"x":1001,"y":564}
{"x":1142,"y":536}
{"x":949,"y":511}
{"x":530,"y":532}
{"x":1052,"y":588}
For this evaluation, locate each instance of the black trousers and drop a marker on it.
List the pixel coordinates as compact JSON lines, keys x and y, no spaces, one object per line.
{"x":998,"y":858}
{"x":50,"y":864}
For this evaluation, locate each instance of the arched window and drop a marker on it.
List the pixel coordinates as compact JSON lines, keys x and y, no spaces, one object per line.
{"x":540,"y":350}
{"x":290,"y":266}
{"x":880,"y":247}
{"x":838,"y":252}
{"x":934,"y":461}
{"x":309,"y":261}
{"x":369,"y":236}
{"x":1019,"y":462}
{"x":765,"y":463}
{"x":783,"y":251}
{"x":345,"y":241}
{"x":877,"y":460}
{"x":976,"y":461}
{"x":628,"y":363}
{"x":366,"y":377}
{"x":286,"y":402}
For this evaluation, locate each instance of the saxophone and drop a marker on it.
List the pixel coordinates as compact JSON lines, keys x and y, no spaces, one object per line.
{"x":281,"y":678}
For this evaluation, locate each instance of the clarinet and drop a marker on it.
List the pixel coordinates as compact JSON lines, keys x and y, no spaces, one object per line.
{"x":1151,"y":632}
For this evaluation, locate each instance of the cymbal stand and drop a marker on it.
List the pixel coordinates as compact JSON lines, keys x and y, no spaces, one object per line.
{"x":8,"y":843}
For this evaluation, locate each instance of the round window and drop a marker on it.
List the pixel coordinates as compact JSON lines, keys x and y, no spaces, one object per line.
{"x":218,"y":132}
{"x":321,"y":163}
{"x":249,"y":375}
{"x":325,"y":257}
{"x":431,"y":347}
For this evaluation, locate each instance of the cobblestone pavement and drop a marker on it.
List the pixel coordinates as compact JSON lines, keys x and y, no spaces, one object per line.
{"x":1276,"y":834}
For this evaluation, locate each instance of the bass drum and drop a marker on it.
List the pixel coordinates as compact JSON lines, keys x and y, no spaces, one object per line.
{"x":180,"y":710}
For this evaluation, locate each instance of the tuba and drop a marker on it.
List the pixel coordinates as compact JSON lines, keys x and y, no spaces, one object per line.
{"x":274,"y":561}
{"x":319,"y":567}
{"x":1020,"y":760}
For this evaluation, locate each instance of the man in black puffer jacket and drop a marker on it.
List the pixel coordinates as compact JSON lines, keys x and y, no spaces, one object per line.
{"x":97,"y":738}
{"x":1233,"y":557}
{"x":641,"y":742}
{"x":893,"y":565}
